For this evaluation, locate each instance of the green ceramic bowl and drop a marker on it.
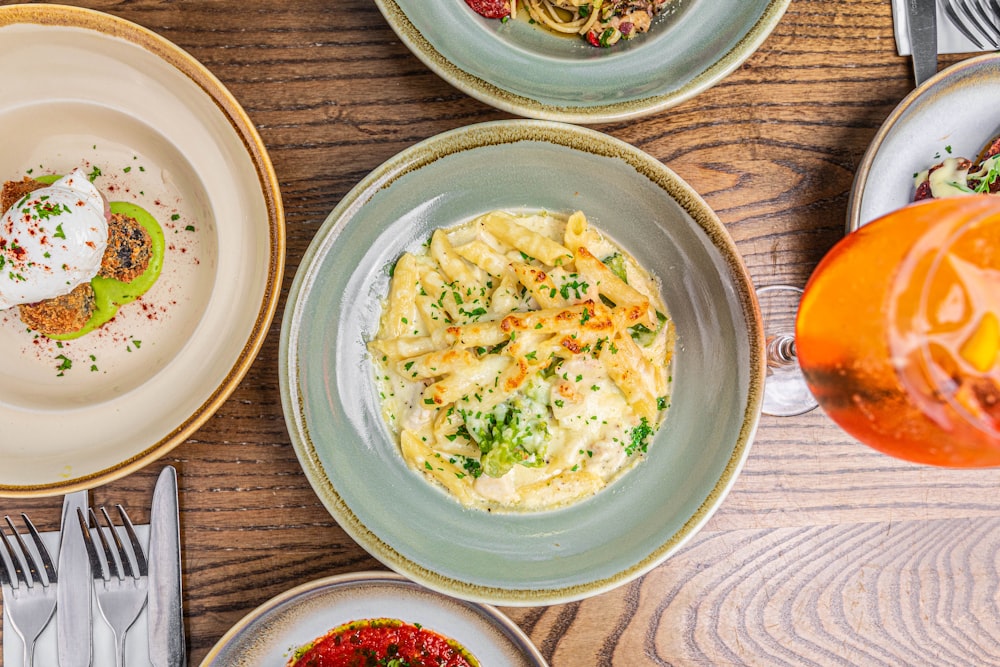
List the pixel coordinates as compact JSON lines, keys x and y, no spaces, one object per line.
{"x":332,"y":408}
{"x":523,"y":69}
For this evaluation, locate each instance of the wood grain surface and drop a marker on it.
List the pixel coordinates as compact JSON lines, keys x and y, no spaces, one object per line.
{"x":824,"y":553}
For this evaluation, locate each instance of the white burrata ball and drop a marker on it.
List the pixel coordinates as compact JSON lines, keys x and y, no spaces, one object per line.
{"x":52,"y":240}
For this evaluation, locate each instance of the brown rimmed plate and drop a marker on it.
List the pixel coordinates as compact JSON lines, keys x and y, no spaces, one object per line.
{"x":83,"y":88}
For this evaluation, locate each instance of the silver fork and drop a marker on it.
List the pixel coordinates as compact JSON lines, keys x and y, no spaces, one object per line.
{"x":120,"y":577}
{"x":32,"y":600}
{"x":976,"y":19}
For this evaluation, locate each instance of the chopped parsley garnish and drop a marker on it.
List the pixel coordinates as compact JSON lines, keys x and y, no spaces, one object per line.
{"x":65,"y":363}
{"x":638,"y":437}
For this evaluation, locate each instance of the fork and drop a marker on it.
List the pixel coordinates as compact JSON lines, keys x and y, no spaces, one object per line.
{"x":32,"y":601}
{"x":122,"y":585}
{"x":976,"y":19}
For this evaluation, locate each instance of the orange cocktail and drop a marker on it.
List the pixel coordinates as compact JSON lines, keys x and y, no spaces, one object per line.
{"x":898,"y":332}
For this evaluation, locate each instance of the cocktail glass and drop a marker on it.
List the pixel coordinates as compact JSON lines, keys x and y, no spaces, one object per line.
{"x":898,"y":332}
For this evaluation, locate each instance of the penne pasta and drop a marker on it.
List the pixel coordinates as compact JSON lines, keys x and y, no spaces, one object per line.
{"x":479,"y":376}
{"x":485,"y":257}
{"x":539,"y":285}
{"x":506,"y":360}
{"x":441,"y":469}
{"x":505,"y":228}
{"x":451,"y":264}
{"x":400,"y":317}
{"x":614,"y":288}
{"x":632,"y":373}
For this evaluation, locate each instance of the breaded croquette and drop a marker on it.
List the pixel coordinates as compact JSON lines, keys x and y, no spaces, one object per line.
{"x":129,"y":249}
{"x":61,"y":315}
{"x":14,"y":190}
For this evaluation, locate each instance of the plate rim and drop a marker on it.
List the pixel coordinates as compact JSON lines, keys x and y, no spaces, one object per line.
{"x":360,"y":578}
{"x":110,"y":26}
{"x":511,"y":102}
{"x":411,"y":159}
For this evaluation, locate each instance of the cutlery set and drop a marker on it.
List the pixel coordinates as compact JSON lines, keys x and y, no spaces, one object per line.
{"x":977,"y":20}
{"x":98,"y":560}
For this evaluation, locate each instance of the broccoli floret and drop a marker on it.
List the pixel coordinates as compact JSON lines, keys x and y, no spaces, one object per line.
{"x":616,"y":263}
{"x":643,"y":335}
{"x":513,"y":433}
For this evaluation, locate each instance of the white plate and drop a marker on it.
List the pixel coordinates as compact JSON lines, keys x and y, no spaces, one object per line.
{"x":270,"y":633}
{"x":86,"y":89}
{"x":943,"y":117}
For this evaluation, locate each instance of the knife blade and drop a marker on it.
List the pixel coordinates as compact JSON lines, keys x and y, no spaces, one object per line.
{"x":73,"y":594}
{"x":165,"y":603}
{"x":921,"y":18}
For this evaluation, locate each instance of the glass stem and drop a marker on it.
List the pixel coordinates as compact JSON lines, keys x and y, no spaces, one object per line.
{"x":781,"y":351}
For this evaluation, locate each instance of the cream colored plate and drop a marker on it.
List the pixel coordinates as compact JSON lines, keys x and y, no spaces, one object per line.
{"x":86,"y":89}
{"x":269,"y":634}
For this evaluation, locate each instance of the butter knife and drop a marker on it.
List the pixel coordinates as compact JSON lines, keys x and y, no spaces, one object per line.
{"x":165,"y":606}
{"x":73,"y":610}
{"x":921,"y":18}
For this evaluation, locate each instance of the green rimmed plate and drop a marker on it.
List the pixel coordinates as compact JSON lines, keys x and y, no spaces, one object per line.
{"x":332,"y":410}
{"x":520,"y":68}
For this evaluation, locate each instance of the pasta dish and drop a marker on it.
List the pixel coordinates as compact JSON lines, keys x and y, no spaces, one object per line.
{"x":523,"y":361}
{"x":599,"y":22}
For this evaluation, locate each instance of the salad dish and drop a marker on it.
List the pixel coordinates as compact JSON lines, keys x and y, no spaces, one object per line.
{"x":172,"y":259}
{"x":935,"y":137}
{"x":331,"y":396}
{"x":517,"y":66}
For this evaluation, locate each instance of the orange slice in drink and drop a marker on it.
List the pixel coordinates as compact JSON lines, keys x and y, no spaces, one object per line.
{"x":982,"y":348}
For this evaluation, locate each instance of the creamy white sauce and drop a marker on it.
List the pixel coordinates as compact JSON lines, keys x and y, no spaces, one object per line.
{"x":583,"y":427}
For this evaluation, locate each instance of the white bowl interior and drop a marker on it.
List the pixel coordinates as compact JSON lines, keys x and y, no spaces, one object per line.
{"x":942,"y":118}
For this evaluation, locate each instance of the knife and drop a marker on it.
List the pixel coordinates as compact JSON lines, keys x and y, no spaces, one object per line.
{"x":921,"y":18}
{"x":165,"y":608}
{"x":73,"y":610}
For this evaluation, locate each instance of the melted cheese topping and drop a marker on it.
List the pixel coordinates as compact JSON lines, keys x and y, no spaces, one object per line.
{"x":528,"y":392}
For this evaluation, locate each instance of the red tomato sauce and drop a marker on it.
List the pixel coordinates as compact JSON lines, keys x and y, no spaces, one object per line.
{"x":382,"y":642}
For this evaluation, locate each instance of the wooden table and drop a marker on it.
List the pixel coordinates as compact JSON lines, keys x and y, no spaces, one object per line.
{"x":824,"y":553}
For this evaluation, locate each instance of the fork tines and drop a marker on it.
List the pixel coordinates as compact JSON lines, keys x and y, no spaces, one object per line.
{"x":26,"y":572}
{"x":976,"y":19}
{"x":29,"y":597}
{"x":121,"y":561}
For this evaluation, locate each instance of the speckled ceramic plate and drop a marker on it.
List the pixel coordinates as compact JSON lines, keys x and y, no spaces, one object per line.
{"x":520,"y":68}
{"x":332,"y":408}
{"x":152,"y":127}
{"x":943,"y":117}
{"x":270,"y":633}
